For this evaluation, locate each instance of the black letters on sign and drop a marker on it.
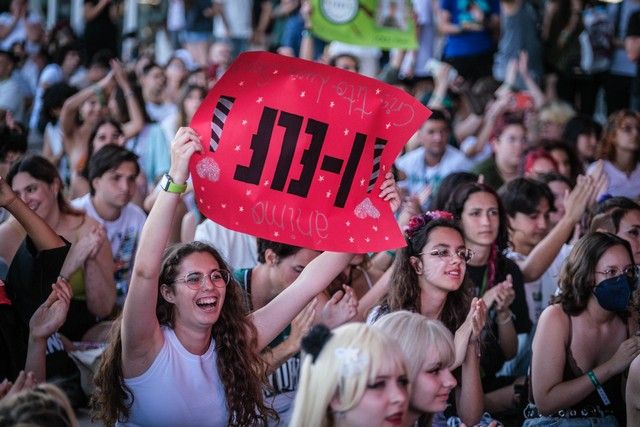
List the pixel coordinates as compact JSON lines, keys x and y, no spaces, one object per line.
{"x":292,"y":124}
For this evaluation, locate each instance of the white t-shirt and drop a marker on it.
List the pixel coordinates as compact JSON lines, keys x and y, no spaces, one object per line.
{"x":12,"y":98}
{"x":238,"y":249}
{"x":418,"y":174}
{"x":178,"y":389}
{"x":158,"y":112}
{"x":238,"y":14}
{"x":123,"y":234}
{"x":621,"y":184}
{"x":17,"y":35}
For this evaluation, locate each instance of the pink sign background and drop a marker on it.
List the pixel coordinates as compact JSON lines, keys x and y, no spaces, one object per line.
{"x":296,"y":151}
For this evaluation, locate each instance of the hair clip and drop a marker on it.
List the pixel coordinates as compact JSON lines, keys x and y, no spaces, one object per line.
{"x":418,"y":221}
{"x":315,"y":340}
{"x":352,"y":360}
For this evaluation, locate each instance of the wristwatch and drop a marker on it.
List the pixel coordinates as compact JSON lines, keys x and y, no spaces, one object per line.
{"x":167,"y":184}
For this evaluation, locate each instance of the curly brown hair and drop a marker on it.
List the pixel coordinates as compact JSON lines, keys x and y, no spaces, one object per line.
{"x":241,"y":369}
{"x":577,"y":277}
{"x":607,"y":146}
{"x":404,"y":293}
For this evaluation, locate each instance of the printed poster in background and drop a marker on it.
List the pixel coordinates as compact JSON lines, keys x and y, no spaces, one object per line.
{"x":383,"y":23}
{"x":296,"y":151}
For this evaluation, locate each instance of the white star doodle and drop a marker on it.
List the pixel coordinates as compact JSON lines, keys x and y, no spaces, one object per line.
{"x":351,"y":239}
{"x":201,"y":188}
{"x":241,"y":83}
{"x":276,"y":234}
{"x":377,"y":91}
{"x":321,"y":178}
{"x":223,"y":205}
{"x":366,"y":239}
{"x":244,"y":123}
{"x":201,"y":201}
{"x":266,"y":182}
{"x":388,"y":125}
{"x":302,"y":94}
{"x":208,"y":207}
{"x":237,"y":148}
{"x":241,"y":209}
{"x":384,"y":168}
{"x":328,"y":194}
{"x":375,"y":228}
{"x":332,"y":104}
{"x":386,"y":237}
{"x":259,"y":100}
{"x":348,"y":223}
{"x":275,"y":71}
{"x":362,"y":181}
{"x":248,"y":193}
{"x":346,"y":132}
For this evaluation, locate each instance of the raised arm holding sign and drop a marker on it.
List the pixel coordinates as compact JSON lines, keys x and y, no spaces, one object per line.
{"x":296,"y":151}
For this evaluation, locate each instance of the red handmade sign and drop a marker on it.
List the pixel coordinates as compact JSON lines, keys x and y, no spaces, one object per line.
{"x":296,"y":152}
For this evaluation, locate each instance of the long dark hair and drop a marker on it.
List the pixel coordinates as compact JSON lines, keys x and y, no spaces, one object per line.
{"x":241,"y":369}
{"x":456,"y":206}
{"x":577,"y":277}
{"x":42,"y":170}
{"x":404,"y":293}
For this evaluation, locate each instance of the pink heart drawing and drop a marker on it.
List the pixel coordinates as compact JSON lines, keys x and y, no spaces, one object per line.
{"x":365,"y":208}
{"x":207,"y":168}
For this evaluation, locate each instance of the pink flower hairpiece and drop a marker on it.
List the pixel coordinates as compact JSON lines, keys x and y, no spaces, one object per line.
{"x":419,"y":221}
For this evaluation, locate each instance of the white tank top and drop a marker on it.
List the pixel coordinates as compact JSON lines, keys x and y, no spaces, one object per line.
{"x":178,"y":389}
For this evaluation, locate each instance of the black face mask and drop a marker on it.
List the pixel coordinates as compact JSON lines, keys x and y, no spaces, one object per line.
{"x":614,"y":294}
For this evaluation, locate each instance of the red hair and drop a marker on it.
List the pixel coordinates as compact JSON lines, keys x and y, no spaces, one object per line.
{"x":534,"y":155}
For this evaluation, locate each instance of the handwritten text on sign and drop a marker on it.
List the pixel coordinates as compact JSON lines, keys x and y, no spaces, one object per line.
{"x":296,"y":152}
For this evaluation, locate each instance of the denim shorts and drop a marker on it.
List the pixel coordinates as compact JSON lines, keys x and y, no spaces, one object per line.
{"x":195,"y":37}
{"x":606,"y":421}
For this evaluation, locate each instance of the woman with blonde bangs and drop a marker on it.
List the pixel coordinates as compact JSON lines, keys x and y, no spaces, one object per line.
{"x":620,"y":151}
{"x":428,"y":348}
{"x":352,"y":376}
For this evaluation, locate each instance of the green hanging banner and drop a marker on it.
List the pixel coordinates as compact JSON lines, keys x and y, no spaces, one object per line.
{"x":383,"y":23}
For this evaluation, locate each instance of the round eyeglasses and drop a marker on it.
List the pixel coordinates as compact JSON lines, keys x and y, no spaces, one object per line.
{"x":631,"y":272}
{"x":463,"y":253}
{"x":196,"y":280}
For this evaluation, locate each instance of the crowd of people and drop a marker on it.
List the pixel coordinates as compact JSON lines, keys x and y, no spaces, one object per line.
{"x":514,"y":301}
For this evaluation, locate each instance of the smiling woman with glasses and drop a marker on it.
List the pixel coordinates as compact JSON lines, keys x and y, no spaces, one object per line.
{"x":184,"y":351}
{"x":585,"y":340}
{"x":620,"y":152}
{"x":429,"y":277}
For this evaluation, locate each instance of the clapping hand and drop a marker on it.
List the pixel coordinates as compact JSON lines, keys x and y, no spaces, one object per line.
{"x":50,"y":316}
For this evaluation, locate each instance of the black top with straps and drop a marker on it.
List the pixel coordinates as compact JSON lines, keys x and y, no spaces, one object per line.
{"x":612,"y":387}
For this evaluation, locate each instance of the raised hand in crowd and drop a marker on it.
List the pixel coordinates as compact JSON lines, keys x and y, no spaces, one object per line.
{"x":340,"y":309}
{"x":46,"y":321}
{"x":24,"y":381}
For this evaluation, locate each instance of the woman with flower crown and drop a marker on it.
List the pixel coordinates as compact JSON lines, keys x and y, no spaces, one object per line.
{"x":429,"y":278}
